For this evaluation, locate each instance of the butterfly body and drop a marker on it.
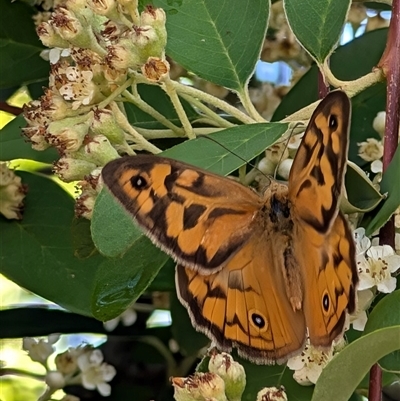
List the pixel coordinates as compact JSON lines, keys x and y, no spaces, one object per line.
{"x":255,"y":272}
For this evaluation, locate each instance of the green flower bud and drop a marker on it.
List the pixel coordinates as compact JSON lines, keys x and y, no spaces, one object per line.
{"x":104,"y":123}
{"x":97,"y":150}
{"x":71,"y":169}
{"x":231,"y":372}
{"x":49,"y":37}
{"x":70,"y":28}
{"x":68,"y":134}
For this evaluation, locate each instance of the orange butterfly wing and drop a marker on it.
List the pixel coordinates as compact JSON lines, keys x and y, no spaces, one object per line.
{"x":186,"y":211}
{"x":244,"y":305}
{"x":323,"y":243}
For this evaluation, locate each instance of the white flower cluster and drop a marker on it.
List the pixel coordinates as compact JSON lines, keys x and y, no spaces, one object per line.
{"x":97,"y":50}
{"x":82,"y":365}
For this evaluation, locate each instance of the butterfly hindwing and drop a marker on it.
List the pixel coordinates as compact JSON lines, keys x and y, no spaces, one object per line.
{"x":245,"y":305}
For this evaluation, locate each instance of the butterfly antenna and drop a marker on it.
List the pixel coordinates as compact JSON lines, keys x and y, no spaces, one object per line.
{"x":286,"y":145}
{"x":235,"y":154}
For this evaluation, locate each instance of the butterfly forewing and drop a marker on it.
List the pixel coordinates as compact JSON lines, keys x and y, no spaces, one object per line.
{"x":316,"y":177}
{"x":186,"y":211}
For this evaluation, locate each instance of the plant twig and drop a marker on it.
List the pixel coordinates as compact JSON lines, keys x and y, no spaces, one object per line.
{"x":389,"y":64}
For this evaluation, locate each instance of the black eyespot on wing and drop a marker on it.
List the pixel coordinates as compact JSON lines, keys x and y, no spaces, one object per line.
{"x":258,"y":320}
{"x":333,"y":121}
{"x":326,"y":302}
{"x":138,"y":182}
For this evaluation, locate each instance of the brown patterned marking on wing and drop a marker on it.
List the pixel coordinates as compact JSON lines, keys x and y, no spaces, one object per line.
{"x":316,"y":177}
{"x":188,"y":212}
{"x":244,"y":305}
{"x":330,"y":278}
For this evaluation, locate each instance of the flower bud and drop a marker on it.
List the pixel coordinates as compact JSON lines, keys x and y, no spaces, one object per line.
{"x":199,"y":387}
{"x":266,"y":166}
{"x":154,"y":17}
{"x":69,"y":26}
{"x":379,"y":123}
{"x":49,"y":37}
{"x":104,"y":123}
{"x":284,"y":168}
{"x":12,"y":193}
{"x":107,"y":8}
{"x":71,"y":169}
{"x":55,"y":380}
{"x":123,"y":55}
{"x":97,"y":150}
{"x":68,"y":134}
{"x":36,"y":136}
{"x":148,"y":42}
{"x":231,"y":372}
{"x":272,"y":394}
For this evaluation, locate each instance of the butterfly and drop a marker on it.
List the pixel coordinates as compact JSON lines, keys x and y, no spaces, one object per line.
{"x":256,"y":272}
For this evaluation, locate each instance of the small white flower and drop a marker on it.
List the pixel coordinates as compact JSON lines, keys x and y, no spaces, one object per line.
{"x":40,"y":350}
{"x":284,"y":168}
{"x":80,"y":89}
{"x":375,"y":269}
{"x":95,"y":373}
{"x":359,"y":318}
{"x":370,"y":150}
{"x":309,"y":364}
{"x":128,"y":318}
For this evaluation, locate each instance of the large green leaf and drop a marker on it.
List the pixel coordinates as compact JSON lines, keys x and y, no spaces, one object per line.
{"x":386,"y":314}
{"x":219,"y":41}
{"x":317,"y":24}
{"x":19,"y":46}
{"x":347,"y":369}
{"x":37,"y":252}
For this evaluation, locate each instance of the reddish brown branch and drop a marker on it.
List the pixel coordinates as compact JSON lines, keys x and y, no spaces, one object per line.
{"x":10,"y":109}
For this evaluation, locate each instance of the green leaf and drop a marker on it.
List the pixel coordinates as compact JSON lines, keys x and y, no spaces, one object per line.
{"x":385,"y":314}
{"x":190,"y":341}
{"x":232,"y":149}
{"x":362,"y":196}
{"x":14,"y":146}
{"x":120,"y":281}
{"x":113,"y":231}
{"x":158,"y":99}
{"x":347,"y":369}
{"x":20,"y":47}
{"x":390,"y":185}
{"x":37,"y":252}
{"x":219,"y":41}
{"x":317,"y":24}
